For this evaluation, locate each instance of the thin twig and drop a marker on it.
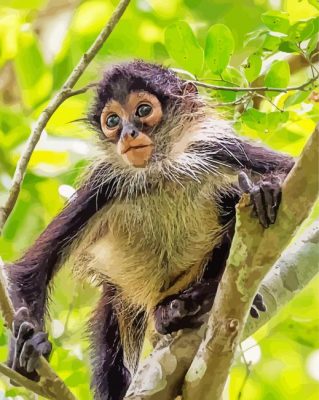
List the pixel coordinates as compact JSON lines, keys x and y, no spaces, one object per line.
{"x":64,"y":93}
{"x":71,"y":93}
{"x":23,"y":381}
{"x":256,"y":89}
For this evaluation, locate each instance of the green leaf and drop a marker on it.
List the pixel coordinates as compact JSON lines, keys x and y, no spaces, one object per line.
{"x":314,"y":3}
{"x":296,"y":98}
{"x":219,"y":47}
{"x":264,"y":122}
{"x":288,"y":47}
{"x":159,"y":51}
{"x":271,"y":43}
{"x":275,"y":119}
{"x":301,"y":30}
{"x":252,"y":67}
{"x":33,"y":75}
{"x":278,"y":75}
{"x":276,"y":21}
{"x":312,"y":44}
{"x":255,"y":119}
{"x":183,"y":47}
{"x":232,"y":77}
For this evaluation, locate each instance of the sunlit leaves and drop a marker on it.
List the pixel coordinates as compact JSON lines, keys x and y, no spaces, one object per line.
{"x":9,"y":30}
{"x":276,"y":21}
{"x":91,"y":16}
{"x":278,"y":75}
{"x":302,"y":30}
{"x":296,"y":98}
{"x":271,"y":43}
{"x":264,"y":122}
{"x":252,"y":67}
{"x":34,"y":77}
{"x":22,"y":3}
{"x":219,"y":48}
{"x":183,"y":47}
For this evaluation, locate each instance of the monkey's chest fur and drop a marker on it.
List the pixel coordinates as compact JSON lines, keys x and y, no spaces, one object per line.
{"x":151,"y":246}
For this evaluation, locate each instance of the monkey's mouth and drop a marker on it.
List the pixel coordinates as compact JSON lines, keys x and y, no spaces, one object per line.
{"x":124,"y":151}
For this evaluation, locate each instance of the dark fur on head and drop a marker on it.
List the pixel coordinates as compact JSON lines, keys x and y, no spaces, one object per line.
{"x":124,"y":78}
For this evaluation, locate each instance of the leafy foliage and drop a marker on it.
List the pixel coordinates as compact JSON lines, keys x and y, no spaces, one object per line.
{"x":226,"y":43}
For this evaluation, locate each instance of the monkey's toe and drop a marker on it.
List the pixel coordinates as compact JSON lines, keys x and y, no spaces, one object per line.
{"x":37,"y":346}
{"x":265,"y":197}
{"x":186,"y":309}
{"x":258,"y":305}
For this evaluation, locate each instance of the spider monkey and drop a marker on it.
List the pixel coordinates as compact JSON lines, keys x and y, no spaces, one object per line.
{"x":151,"y":224}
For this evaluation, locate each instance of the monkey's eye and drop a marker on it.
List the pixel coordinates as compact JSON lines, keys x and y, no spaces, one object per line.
{"x":112,"y":121}
{"x":143,"y":110}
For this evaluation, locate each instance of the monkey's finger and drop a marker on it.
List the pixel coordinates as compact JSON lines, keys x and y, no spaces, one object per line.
{"x":25,"y":332}
{"x":21,"y":315}
{"x":244,"y":182}
{"x":267,"y":191}
{"x":258,"y":203}
{"x":25,"y":354}
{"x":42,"y":349}
{"x":32,"y":361}
{"x":254,"y":312}
{"x":32,"y":350}
{"x":259,"y":303}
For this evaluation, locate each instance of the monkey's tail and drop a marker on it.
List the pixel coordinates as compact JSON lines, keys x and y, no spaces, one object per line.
{"x":117,"y":334}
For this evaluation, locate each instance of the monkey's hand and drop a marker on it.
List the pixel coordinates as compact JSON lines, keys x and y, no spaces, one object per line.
{"x":265,"y":196}
{"x":187,"y":309}
{"x":28,"y":344}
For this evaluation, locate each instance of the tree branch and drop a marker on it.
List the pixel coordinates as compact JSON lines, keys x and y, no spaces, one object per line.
{"x":251,"y":257}
{"x":57,"y":100}
{"x":23,"y":381}
{"x":161,"y":375}
{"x":303,"y":86}
{"x":292,"y":272}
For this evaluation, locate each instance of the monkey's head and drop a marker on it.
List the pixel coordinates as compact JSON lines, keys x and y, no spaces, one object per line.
{"x":138,"y":108}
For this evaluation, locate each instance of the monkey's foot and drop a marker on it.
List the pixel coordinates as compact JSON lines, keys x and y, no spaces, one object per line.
{"x":187,"y":309}
{"x":265,"y":197}
{"x":29,"y":345}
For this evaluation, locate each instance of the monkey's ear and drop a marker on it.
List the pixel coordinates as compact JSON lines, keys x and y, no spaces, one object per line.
{"x":189,"y":88}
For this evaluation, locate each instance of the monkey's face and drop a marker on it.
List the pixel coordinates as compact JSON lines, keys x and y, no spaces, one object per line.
{"x":129,"y":124}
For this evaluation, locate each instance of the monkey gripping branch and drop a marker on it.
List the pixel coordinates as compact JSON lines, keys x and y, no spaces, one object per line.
{"x":253,"y":253}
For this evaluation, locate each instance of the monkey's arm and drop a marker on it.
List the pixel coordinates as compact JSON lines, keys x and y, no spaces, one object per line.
{"x":242,"y":155}
{"x":30,"y":276}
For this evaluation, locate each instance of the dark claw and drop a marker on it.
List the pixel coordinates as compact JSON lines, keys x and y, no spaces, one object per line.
{"x":265,"y":197}
{"x":259,"y":303}
{"x":259,"y":207}
{"x":254,"y":312}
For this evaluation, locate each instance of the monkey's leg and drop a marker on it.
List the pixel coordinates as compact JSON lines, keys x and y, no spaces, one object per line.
{"x":111,"y":378}
{"x":117,"y":335}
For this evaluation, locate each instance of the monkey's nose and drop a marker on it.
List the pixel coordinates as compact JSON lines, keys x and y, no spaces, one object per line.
{"x":129,"y":131}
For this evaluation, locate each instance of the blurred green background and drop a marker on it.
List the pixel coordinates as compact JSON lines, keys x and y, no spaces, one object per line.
{"x":272,"y":41}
